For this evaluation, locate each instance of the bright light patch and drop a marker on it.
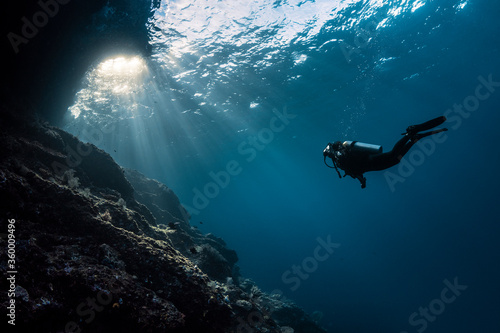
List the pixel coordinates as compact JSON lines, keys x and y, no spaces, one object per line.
{"x":417,"y":5}
{"x":461,"y":5}
{"x":122,"y":66}
{"x":109,"y":85}
{"x":120,"y":74}
{"x":299,"y":58}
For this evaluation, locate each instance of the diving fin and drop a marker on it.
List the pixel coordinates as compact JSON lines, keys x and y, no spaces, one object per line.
{"x":417,"y":136}
{"x":413,"y":129}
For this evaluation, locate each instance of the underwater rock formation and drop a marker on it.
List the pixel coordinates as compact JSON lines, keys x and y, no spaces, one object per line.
{"x":207,"y":251}
{"x":103,"y":249}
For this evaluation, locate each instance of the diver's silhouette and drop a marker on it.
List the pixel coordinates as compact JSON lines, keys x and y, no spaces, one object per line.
{"x":356,"y":158}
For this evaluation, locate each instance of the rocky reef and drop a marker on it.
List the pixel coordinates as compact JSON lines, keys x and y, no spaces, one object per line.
{"x":99,"y":248}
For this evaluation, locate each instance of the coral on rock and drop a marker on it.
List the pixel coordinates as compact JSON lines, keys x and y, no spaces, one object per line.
{"x":103,"y":249}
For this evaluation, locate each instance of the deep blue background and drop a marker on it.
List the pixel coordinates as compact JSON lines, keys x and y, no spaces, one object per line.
{"x":397,"y":244}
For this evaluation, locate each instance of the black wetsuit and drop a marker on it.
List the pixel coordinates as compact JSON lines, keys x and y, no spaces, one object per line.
{"x":355,"y":162}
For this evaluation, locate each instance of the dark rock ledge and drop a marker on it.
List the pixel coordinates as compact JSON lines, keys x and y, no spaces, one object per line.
{"x":103,"y":249}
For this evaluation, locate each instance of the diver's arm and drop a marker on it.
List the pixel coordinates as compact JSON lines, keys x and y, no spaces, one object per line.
{"x":362,"y":180}
{"x":359,"y":177}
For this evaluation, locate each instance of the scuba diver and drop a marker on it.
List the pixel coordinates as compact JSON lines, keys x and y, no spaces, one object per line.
{"x":356,"y":158}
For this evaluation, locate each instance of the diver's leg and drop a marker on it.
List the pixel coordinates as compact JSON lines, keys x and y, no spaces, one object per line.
{"x":386,"y":160}
{"x":401,"y":147}
{"x":419,"y":136}
{"x":393,"y":157}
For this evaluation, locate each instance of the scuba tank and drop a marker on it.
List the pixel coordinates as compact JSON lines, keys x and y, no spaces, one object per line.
{"x":361,"y":147}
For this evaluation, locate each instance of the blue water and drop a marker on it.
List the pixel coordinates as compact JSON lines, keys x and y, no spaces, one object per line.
{"x":237,"y":103}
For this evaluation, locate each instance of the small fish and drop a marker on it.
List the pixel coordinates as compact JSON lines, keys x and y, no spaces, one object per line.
{"x":193,"y":250}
